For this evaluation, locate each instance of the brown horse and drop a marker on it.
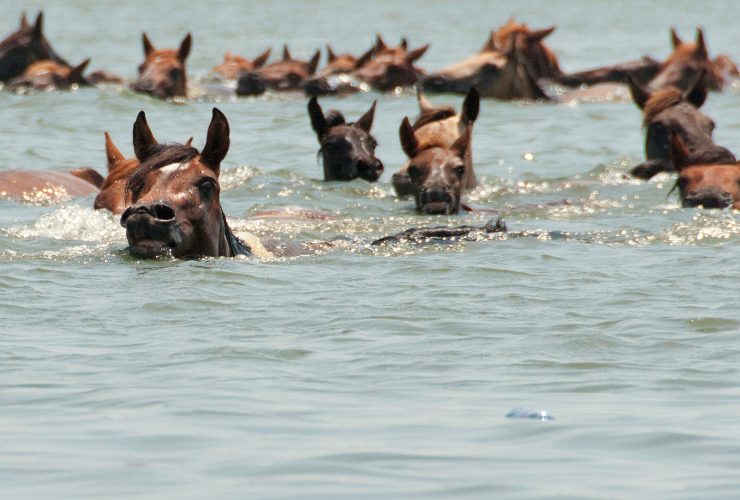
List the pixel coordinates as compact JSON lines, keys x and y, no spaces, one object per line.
{"x":162,"y":74}
{"x":347,"y":149}
{"x":542,"y":61}
{"x":112,"y":194}
{"x":671,"y":111}
{"x":684,"y":64}
{"x":708,"y":178}
{"x":389,"y":68}
{"x":441,"y":126}
{"x":437,"y":173}
{"x":175,"y":207}
{"x":234,"y":65}
{"x":505,"y":74}
{"x":288,"y":74}
{"x":44,"y":187}
{"x":335,"y":77}
{"x":50,"y":75}
{"x":24,"y":47}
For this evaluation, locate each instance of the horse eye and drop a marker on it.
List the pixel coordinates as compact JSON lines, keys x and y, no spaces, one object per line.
{"x":206,"y":187}
{"x":459,"y":170}
{"x":414,"y":172}
{"x":175,"y":73}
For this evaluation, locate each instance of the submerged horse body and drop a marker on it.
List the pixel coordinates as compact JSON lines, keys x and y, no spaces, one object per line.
{"x":441,"y":126}
{"x":50,"y":75}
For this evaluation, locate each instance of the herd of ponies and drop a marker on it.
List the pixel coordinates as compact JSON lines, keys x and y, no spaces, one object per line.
{"x":168,"y":194}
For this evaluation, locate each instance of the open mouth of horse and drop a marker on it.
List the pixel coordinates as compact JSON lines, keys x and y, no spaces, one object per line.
{"x":149,"y":239}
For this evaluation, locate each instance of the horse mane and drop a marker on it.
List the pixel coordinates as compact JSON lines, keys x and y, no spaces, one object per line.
{"x":334,"y":118}
{"x":160,"y":156}
{"x":236,"y":246}
{"x":435,"y":115}
{"x":660,"y":101}
{"x":120,"y":170}
{"x":712,"y":155}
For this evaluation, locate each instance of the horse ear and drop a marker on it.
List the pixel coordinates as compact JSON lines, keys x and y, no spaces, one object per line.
{"x":217,"y":141}
{"x":701,"y":51}
{"x":38,"y":27}
{"x":460,"y":146}
{"x":75,"y":74}
{"x":404,"y":43}
{"x":679,"y":153}
{"x":539,"y":35}
{"x":365,"y":58}
{"x":416,"y":53}
{"x":366,"y":121}
{"x":640,"y":94}
{"x":261,"y":59}
{"x":424,"y":105}
{"x":24,"y":21}
{"x":189,"y":142}
{"x":675,"y":39}
{"x":111,"y":152}
{"x":313,"y":64}
{"x":698,"y":92}
{"x":286,"y":53}
{"x":470,"y":106}
{"x":185,"y":45}
{"x":318,"y":120}
{"x":148,"y":47}
{"x":490,"y":44}
{"x":409,"y":142}
{"x":380,"y":43}
{"x":330,"y":55}
{"x":143,"y":138}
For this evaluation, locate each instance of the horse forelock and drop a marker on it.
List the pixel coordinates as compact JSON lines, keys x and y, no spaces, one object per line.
{"x":334,"y":118}
{"x":161,"y":156}
{"x":660,"y":101}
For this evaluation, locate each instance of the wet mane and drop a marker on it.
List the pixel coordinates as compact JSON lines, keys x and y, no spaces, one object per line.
{"x":160,"y":156}
{"x":434,"y":115}
{"x":660,"y":101}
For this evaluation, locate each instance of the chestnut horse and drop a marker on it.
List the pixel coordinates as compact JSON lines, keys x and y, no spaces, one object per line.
{"x":234,"y":65}
{"x":441,"y":126}
{"x":288,"y":74}
{"x":112,"y":194}
{"x":175,"y":207}
{"x":390,"y":67}
{"x":50,"y":75}
{"x":437,"y":173}
{"x":708,"y":178}
{"x":335,"y":77}
{"x":347,"y":149}
{"x":162,"y":74}
{"x":44,"y":187}
{"x":684,"y":64}
{"x":24,"y":47}
{"x":671,"y":111}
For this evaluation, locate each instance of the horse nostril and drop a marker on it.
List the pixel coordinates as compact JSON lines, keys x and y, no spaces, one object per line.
{"x":162,"y":211}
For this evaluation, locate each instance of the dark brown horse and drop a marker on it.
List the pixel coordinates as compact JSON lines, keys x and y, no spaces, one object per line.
{"x":667,"y":112}
{"x":347,"y":149}
{"x":641,"y":71}
{"x":441,"y":126}
{"x":708,"y":177}
{"x":162,"y":74}
{"x":288,"y":74}
{"x":438,"y":173}
{"x":24,"y":47}
{"x":234,"y":65}
{"x":508,"y":73}
{"x":174,"y":194}
{"x":50,"y":75}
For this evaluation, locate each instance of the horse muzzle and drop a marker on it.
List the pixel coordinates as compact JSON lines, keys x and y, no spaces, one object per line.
{"x":151,"y":230}
{"x":708,"y":198}
{"x":437,"y":201}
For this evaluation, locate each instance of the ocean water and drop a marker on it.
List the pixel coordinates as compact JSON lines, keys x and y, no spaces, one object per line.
{"x":364,"y":371}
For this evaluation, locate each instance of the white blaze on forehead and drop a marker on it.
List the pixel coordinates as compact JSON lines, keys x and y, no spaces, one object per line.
{"x":172,"y":168}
